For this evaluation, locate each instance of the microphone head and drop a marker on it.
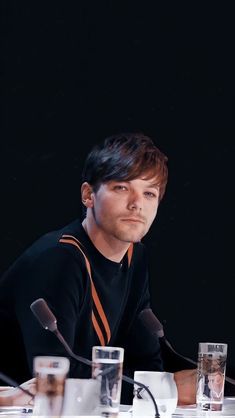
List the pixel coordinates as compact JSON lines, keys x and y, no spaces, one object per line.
{"x":44,"y":315}
{"x":151,"y":322}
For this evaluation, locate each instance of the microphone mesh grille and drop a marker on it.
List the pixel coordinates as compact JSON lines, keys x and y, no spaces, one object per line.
{"x":44,"y":315}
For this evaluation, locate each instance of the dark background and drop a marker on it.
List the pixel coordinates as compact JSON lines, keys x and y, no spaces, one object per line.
{"x":74,"y":73}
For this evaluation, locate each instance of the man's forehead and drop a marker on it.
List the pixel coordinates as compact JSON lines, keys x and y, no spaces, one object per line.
{"x":150,"y":181}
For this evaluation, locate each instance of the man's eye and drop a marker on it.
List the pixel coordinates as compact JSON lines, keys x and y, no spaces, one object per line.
{"x":120,"y":187}
{"x":150,"y":194}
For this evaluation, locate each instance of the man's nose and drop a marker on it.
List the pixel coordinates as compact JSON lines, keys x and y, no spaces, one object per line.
{"x":135,"y":202}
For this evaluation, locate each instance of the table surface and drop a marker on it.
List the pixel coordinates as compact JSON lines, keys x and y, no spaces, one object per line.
{"x":192,"y":411}
{"x":125,"y":411}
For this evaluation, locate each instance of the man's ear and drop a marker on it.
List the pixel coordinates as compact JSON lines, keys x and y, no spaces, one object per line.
{"x":87,"y":195}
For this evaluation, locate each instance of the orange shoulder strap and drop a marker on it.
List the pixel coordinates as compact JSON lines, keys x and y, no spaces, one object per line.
{"x":103,"y":338}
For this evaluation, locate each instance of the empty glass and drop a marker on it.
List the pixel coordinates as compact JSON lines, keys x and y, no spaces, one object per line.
{"x":164,"y":390}
{"x":50,"y":373}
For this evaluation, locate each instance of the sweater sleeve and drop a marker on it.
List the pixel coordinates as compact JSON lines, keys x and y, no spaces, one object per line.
{"x":56,"y":276}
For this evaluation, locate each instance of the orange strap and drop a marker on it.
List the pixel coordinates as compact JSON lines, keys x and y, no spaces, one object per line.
{"x":129,"y":254}
{"x":70,"y":239}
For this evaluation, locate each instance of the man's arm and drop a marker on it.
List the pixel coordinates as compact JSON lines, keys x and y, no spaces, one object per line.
{"x":55,"y":276}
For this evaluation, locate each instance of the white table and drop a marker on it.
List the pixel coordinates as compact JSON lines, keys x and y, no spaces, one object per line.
{"x":185,"y":411}
{"x":191,"y":411}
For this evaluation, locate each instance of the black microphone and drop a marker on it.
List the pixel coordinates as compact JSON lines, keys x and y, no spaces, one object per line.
{"x":153,"y":324}
{"x":49,"y":322}
{"x":150,"y":321}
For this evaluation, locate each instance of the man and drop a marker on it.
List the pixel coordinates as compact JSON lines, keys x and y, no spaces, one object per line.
{"x":94,"y":275}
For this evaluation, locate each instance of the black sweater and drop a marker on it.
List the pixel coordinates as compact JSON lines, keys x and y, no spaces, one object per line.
{"x":96,"y":309}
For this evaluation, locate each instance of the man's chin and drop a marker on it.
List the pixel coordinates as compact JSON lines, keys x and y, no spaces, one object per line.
{"x":137,"y":239}
{"x":130,"y":234}
{"x":132,"y":237}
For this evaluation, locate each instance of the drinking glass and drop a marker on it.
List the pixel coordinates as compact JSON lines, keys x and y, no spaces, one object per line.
{"x":164,"y":390}
{"x":81,"y":397}
{"x":50,"y":373}
{"x":211,"y":376}
{"x":107,"y":368}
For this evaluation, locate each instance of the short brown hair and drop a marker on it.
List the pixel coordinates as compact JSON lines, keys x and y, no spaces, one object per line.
{"x":126,"y":157}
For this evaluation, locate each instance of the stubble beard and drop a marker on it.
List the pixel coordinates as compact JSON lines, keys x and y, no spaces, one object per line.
{"x":126,"y":235}
{"x":119,"y":230}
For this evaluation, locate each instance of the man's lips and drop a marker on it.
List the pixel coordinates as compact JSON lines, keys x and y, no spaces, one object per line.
{"x":135,"y":220}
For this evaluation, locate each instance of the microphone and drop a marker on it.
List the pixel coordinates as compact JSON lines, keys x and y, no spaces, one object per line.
{"x":49,"y":322}
{"x":150,"y":321}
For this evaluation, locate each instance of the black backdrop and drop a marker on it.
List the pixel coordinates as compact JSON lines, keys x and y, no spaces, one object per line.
{"x":75,"y":73}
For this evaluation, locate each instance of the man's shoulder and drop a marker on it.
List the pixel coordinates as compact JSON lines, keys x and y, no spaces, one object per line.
{"x":52,"y":239}
{"x":48,"y":245}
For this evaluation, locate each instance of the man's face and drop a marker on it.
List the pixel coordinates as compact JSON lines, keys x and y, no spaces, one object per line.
{"x":125,"y":210}
{"x":215,"y":380}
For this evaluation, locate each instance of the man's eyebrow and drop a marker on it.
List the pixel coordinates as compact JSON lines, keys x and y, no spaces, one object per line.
{"x":154,"y":185}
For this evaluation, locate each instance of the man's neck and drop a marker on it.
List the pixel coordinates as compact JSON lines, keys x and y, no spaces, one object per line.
{"x":110,"y":247}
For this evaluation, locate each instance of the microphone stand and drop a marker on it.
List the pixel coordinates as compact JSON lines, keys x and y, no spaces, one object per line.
{"x":131,"y":381}
{"x":48,"y":321}
{"x":69,"y":351}
{"x":151,"y":322}
{"x":14,"y":384}
{"x":189,"y":360}
{"x":89,"y":363}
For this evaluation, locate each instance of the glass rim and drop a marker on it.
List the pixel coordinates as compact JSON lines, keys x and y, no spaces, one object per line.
{"x":52,"y":358}
{"x":153,"y":372}
{"x":100,"y":352}
{"x":212,"y":343}
{"x":107,"y":348}
{"x":215,"y":349}
{"x":40,"y":362}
